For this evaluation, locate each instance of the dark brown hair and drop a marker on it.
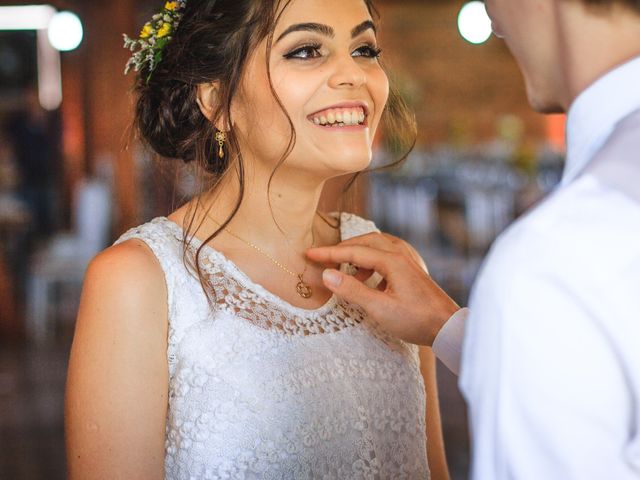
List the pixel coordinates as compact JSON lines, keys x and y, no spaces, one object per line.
{"x":212,"y":44}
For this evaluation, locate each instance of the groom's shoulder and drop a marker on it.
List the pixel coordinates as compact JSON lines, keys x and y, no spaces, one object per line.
{"x":583,"y":226}
{"x":616,"y":167}
{"x":589,"y":226}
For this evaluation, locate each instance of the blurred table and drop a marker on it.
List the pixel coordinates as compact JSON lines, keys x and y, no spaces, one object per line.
{"x":15,"y":222}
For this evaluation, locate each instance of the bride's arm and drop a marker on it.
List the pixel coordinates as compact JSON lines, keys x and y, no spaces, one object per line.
{"x":435,"y":441}
{"x":116,"y":392}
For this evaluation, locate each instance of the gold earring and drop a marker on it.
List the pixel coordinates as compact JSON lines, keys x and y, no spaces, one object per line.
{"x":221,"y":137}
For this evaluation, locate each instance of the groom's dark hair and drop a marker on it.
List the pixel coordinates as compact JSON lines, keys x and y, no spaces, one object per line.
{"x":634,"y":4}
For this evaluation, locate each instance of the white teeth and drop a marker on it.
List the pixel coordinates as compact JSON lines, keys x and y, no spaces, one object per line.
{"x":341,"y":118}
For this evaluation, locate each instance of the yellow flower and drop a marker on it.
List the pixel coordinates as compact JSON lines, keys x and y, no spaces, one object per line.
{"x":164,"y":30}
{"x":171,"y":6}
{"x":147,"y":31}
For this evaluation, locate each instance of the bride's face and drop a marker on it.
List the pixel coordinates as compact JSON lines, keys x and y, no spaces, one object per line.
{"x":325,"y":71}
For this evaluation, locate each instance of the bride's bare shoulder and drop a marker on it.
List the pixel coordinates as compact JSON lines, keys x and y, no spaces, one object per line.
{"x":126,"y":275}
{"x":132,"y":256}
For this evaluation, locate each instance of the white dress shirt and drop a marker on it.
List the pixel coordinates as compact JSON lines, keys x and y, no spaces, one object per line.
{"x":551,"y":357}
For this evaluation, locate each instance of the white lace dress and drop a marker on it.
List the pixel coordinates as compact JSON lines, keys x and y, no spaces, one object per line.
{"x":260,"y":389}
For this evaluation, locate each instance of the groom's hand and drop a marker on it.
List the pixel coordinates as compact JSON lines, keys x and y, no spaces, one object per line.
{"x":407,"y":303}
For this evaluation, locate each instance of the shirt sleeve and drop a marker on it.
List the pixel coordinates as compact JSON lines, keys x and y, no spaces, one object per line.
{"x":547,"y":394}
{"x":448,"y":343}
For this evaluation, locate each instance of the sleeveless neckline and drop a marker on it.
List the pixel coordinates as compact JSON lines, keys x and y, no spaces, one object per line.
{"x":234,"y":270}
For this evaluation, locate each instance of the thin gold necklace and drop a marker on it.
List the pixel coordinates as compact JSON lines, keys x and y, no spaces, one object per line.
{"x":303,"y":288}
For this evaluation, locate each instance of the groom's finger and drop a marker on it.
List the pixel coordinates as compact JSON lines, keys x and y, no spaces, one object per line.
{"x":384,"y":242}
{"x":354,"y":291}
{"x":374,"y":240}
{"x":362,"y":257}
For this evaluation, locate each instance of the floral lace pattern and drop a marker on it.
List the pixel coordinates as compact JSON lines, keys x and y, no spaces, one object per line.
{"x":260,"y":389}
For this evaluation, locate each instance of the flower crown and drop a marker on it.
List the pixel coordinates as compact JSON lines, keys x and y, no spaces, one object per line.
{"x":154,"y":37}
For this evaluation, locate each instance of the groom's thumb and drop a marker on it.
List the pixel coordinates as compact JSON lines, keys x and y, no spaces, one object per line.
{"x":349,"y":288}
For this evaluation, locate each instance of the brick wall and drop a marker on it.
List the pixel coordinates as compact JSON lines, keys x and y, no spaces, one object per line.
{"x":457,"y":89}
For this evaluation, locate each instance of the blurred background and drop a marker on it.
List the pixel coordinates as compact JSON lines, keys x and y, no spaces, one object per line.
{"x":72,"y":179}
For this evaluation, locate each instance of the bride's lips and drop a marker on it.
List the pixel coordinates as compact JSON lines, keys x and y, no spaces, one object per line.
{"x":342,"y":116}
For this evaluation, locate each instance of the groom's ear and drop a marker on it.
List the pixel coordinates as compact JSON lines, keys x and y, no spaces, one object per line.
{"x":208,"y":99}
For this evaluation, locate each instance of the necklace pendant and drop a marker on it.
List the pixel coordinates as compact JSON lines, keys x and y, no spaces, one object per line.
{"x":303,"y":289}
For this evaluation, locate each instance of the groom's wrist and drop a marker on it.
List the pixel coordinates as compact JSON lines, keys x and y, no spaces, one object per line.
{"x":447,"y":344}
{"x":441,"y":316}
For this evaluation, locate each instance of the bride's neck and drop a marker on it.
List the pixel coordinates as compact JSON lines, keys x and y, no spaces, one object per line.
{"x":267,"y":215}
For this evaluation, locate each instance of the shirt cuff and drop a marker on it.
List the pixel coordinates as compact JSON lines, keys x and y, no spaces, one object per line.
{"x":448,"y":343}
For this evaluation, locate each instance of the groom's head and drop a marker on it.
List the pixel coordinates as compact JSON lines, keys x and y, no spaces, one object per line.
{"x":562,"y":46}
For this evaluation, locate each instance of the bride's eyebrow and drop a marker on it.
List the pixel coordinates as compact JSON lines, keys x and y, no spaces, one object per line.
{"x":326,"y":30}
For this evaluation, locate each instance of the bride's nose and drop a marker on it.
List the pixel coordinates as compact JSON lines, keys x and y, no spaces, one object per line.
{"x":347,"y":73}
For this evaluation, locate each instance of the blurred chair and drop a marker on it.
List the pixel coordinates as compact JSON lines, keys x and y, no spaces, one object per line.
{"x":8,"y":314}
{"x":14,"y":225}
{"x":57,"y":270}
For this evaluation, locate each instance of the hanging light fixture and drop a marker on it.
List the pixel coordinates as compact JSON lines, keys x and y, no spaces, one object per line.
{"x":474,"y":23}
{"x":55,"y":32}
{"x":65,"y":31}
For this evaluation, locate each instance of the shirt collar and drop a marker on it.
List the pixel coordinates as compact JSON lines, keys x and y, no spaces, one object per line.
{"x":596,"y":111}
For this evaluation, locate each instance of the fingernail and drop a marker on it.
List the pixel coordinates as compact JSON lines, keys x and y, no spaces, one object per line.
{"x":332,"y":278}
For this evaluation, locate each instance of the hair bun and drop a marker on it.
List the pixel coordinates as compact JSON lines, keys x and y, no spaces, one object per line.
{"x":168,"y":117}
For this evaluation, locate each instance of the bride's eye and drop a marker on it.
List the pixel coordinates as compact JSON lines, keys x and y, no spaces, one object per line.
{"x":305,"y":52}
{"x":367,"y":51}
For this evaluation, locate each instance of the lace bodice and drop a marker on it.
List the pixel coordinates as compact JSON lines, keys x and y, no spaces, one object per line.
{"x":261,"y":389}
